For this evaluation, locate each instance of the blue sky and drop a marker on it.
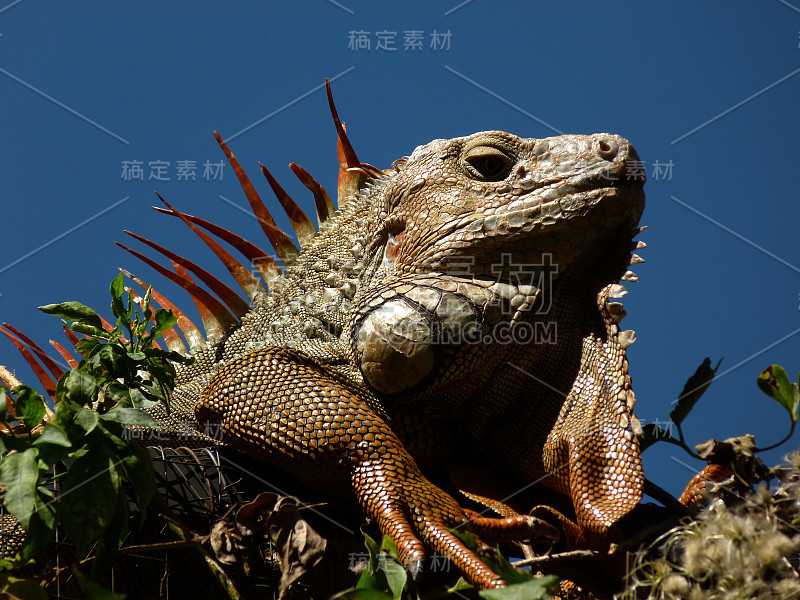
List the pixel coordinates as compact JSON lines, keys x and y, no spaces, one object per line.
{"x":707,"y":92}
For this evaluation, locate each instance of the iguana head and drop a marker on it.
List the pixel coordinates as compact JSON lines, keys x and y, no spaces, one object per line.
{"x":505,"y":218}
{"x":468,"y":200}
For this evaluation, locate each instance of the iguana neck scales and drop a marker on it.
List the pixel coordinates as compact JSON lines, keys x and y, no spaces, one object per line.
{"x":455,"y":305}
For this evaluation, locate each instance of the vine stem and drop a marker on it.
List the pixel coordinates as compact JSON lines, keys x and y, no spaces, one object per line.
{"x":776,"y":444}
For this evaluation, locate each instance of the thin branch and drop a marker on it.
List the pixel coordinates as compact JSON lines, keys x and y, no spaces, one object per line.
{"x":9,"y":379}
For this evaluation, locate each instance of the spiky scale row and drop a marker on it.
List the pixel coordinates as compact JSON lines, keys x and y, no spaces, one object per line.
{"x":260,"y":259}
{"x":70,"y":335}
{"x":48,"y":362}
{"x":47,"y":382}
{"x":251,"y":286}
{"x":302,"y":225}
{"x":322,"y":201}
{"x":73,"y":364}
{"x":352,"y":171}
{"x":282,"y":243}
{"x":217,"y":321}
{"x":216,"y":318}
{"x":233,"y":301}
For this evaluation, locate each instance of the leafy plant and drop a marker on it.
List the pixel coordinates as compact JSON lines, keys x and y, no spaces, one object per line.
{"x":68,"y":468}
{"x":384,"y":577}
{"x":131,"y":373}
{"x":773,"y":381}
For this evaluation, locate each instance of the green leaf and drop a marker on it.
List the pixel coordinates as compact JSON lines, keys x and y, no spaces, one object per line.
{"x":461,"y":585}
{"x":368,"y":579}
{"x":89,"y":498}
{"x":383,"y":574}
{"x":16,"y":587}
{"x":533,"y":589}
{"x":146,"y":303}
{"x":53,"y":434}
{"x":118,"y":286}
{"x":113,"y":536}
{"x":118,"y":393}
{"x":66,"y":411}
{"x":389,"y":563}
{"x":138,"y":470}
{"x":130,"y":416}
{"x":775,"y":383}
{"x":164,"y":320}
{"x":20,"y":474}
{"x":118,"y":307}
{"x":90,"y":330}
{"x":87,"y":346}
{"x":388,"y":546}
{"x":86,"y":419}
{"x":169,"y":356}
{"x":94,"y":591}
{"x":3,"y":403}
{"x":73,"y":311}
{"x":81,"y":387}
{"x":42,"y":524}
{"x":695,"y":386}
{"x":153,"y":390}
{"x":393,"y":574}
{"x":139,"y":400}
{"x":50,"y":454}
{"x":114,"y":359}
{"x":28,"y":406}
{"x":113,"y":433}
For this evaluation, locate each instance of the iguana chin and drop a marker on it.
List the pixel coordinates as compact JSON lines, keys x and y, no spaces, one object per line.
{"x":454,"y":307}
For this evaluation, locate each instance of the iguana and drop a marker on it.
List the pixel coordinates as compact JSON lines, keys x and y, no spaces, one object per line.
{"x":455,"y":307}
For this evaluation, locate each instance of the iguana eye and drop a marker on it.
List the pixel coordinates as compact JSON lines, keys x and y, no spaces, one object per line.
{"x":487,"y":163}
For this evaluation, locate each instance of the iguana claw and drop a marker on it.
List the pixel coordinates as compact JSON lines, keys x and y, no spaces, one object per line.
{"x":416,"y":514}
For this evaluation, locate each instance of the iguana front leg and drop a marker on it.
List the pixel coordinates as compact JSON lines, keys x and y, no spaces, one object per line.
{"x":278,"y":405}
{"x":431,"y":344}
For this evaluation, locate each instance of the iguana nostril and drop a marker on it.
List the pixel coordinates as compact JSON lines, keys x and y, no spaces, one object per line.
{"x":607,"y":149}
